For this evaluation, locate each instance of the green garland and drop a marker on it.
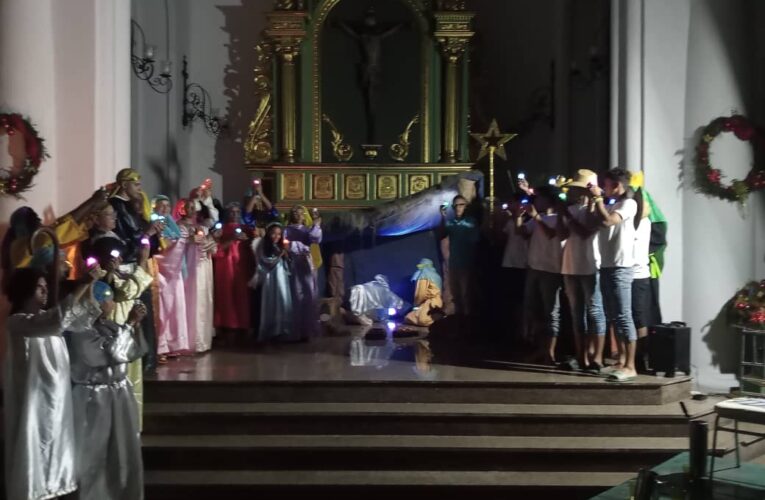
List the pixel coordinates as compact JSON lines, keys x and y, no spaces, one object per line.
{"x":14,"y":183}
{"x":709,"y":180}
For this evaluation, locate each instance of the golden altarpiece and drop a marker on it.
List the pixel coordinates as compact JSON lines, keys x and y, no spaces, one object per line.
{"x":360,"y":101}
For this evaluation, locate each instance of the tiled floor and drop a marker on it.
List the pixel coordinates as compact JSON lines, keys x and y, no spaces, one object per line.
{"x":353,"y":357}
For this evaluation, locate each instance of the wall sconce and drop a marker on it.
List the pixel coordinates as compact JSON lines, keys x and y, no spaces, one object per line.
{"x":197,"y":104}
{"x":143,"y":64}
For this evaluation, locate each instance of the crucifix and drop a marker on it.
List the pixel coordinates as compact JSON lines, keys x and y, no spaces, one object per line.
{"x":369,"y":35}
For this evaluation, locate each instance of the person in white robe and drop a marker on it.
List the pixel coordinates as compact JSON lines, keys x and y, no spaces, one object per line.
{"x":37,"y":394}
{"x":106,"y":424}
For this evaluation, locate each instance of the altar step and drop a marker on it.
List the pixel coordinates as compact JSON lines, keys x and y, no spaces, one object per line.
{"x":417,"y":453}
{"x":439,"y":419}
{"x":532,"y":388}
{"x":372,"y":485}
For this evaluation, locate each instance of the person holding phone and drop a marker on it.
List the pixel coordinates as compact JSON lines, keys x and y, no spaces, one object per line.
{"x":106,"y":423}
{"x":172,"y":326}
{"x":232,"y":264}
{"x":258,"y":209}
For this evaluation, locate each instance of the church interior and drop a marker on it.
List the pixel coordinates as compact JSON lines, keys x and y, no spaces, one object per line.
{"x":331,"y":248}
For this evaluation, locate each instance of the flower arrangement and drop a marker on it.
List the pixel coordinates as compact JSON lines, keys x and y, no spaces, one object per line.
{"x":748,"y":306}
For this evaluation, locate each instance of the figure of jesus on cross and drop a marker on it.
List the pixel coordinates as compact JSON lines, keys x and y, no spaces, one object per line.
{"x":369,"y":37}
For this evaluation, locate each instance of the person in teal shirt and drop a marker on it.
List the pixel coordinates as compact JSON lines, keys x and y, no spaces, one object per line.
{"x":463,"y":232}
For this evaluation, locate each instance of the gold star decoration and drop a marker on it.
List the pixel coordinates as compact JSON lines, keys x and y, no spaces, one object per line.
{"x":492,"y":137}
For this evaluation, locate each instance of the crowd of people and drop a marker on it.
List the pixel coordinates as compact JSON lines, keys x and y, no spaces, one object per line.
{"x":118,"y":285}
{"x":123,"y":283}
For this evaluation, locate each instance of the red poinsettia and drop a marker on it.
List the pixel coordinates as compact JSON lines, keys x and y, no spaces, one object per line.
{"x":714,"y":176}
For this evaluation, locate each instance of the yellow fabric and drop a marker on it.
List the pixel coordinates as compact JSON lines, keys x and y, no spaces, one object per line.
{"x":126,"y":292}
{"x":128,"y":175}
{"x":67,"y":230}
{"x":427,"y":296}
{"x":636,"y":179}
{"x":315,"y":248}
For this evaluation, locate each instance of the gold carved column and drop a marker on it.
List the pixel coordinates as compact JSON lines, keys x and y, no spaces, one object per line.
{"x":286,"y":30}
{"x":453,"y":33}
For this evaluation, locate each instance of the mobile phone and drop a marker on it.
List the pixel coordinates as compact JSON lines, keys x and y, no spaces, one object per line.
{"x":145,"y":242}
{"x":505,"y":206}
{"x":218,"y":225}
{"x":552,"y":181}
{"x":256,"y":182}
{"x":91,"y":262}
{"x":445,"y":205}
{"x":238,"y":230}
{"x":524,"y":201}
{"x":115,"y":253}
{"x":521,"y":176}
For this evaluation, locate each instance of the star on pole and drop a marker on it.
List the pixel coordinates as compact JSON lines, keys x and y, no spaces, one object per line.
{"x":492,"y":138}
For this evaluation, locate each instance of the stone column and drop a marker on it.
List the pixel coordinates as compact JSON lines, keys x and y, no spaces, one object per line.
{"x":453,"y":33}
{"x":287,"y":30}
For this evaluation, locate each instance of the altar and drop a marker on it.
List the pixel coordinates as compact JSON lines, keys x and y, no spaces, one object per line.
{"x":360,"y":103}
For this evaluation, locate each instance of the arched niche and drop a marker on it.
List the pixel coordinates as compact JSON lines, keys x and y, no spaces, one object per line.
{"x":331,"y":59}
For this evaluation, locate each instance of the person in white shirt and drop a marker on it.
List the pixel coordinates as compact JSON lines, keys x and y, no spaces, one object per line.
{"x":581,"y":260}
{"x":641,"y":284}
{"x":543,"y":281}
{"x":617,"y":251}
{"x":514,"y":263}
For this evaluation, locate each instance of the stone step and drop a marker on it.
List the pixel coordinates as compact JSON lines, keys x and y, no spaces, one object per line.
{"x":364,"y":452}
{"x":536,"y":389}
{"x":342,"y":484}
{"x":418,"y":419}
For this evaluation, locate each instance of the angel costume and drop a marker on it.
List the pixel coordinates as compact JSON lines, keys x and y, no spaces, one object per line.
{"x":272,"y":276}
{"x":37,"y":396}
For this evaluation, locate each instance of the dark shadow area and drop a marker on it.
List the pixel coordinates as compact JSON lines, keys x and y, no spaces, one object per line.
{"x":243,"y":24}
{"x":168,"y":174}
{"x":723,"y":341}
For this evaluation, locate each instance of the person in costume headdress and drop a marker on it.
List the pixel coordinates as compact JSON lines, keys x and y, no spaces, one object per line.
{"x":37,"y":394}
{"x":106,"y":423}
{"x":172,"y":322}
{"x":271,"y":280}
{"x":133,"y":224}
{"x":199,"y":281}
{"x":427,"y":294}
{"x":304,"y":235}
{"x":233,"y":269}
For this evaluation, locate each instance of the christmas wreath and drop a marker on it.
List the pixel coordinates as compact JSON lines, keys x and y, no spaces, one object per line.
{"x":748,"y":306}
{"x":709,"y":180}
{"x":14,"y":181}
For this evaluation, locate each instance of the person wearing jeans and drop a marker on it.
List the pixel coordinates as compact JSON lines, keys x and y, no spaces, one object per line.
{"x":616,"y":241}
{"x":543,"y":281}
{"x":581,"y":260}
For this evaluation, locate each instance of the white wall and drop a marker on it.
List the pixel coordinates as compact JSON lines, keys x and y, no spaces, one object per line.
{"x":694,"y":60}
{"x":218,"y":38}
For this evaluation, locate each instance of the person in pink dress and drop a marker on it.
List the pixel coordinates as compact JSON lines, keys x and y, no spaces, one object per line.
{"x":172,"y":327}
{"x":199,"y":282}
{"x":232,"y":269}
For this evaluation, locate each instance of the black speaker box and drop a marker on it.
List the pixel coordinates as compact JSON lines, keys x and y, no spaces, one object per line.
{"x":669,"y":348}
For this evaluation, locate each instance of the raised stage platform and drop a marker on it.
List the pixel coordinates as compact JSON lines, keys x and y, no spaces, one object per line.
{"x":432,"y":417}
